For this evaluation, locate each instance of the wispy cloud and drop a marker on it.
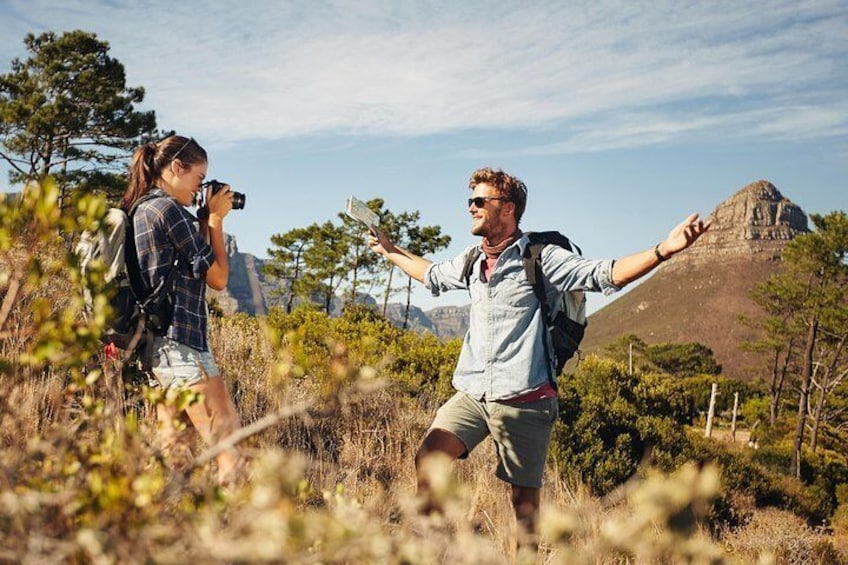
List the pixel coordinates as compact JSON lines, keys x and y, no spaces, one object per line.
{"x":596,"y":75}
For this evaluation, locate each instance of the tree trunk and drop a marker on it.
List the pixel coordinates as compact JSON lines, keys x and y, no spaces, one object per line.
{"x":773,"y":390}
{"x":355,"y":282}
{"x":806,"y":379}
{"x":328,"y":297}
{"x":824,"y":389}
{"x":388,"y":289}
{"x":290,"y":302}
{"x":817,"y":415}
{"x":408,"y":303}
{"x":778,"y":380}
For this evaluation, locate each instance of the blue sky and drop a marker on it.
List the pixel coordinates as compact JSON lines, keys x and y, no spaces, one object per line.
{"x":622,"y":117}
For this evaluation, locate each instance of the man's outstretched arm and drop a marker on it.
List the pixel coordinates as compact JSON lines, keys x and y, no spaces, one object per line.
{"x":628,"y":269}
{"x":409,"y":263}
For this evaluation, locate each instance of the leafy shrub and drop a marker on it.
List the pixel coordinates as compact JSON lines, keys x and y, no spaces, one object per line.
{"x":424,"y":364}
{"x":700,"y":386}
{"x":755,"y":409}
{"x":775,"y":457}
{"x":610,"y":420}
{"x":683,"y":358}
{"x":840,"y":516}
{"x":767,"y":488}
{"x":418,"y":363}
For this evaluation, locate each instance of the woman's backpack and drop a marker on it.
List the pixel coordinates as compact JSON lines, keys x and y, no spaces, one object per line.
{"x":137,"y":314}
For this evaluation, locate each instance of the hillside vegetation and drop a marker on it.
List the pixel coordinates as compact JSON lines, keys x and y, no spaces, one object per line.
{"x":333,"y":410}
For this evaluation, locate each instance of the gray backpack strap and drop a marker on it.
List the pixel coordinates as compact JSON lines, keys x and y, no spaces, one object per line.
{"x":533,"y":270}
{"x":470,"y":259}
{"x":565,"y":333}
{"x":166,"y":285}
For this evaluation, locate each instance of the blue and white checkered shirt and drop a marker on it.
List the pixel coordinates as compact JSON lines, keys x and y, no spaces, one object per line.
{"x":163,"y":229}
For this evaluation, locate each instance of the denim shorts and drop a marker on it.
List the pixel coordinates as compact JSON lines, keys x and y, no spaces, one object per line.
{"x":521,"y":431}
{"x":178,"y":365}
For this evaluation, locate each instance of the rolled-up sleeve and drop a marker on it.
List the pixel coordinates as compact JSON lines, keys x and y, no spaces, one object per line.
{"x":190,"y":244}
{"x":570,"y":271}
{"x":447,"y":275}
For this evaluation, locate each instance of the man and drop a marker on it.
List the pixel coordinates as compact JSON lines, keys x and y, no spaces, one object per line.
{"x":502,"y":376}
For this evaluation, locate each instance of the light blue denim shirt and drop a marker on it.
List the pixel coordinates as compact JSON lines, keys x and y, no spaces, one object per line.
{"x":503,"y":355}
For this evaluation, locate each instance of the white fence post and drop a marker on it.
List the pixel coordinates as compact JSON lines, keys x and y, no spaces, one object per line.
{"x":735,"y":412}
{"x":713,"y":393}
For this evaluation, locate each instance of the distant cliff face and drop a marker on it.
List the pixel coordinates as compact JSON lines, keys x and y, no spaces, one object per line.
{"x":244,"y":292}
{"x":698,"y":295}
{"x":755,"y":223}
{"x":450,"y":321}
{"x":445,"y":322}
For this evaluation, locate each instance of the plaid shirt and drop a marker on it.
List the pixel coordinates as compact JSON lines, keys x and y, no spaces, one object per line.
{"x":164,"y":228}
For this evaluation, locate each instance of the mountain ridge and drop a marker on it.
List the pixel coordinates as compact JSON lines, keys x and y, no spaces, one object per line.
{"x":699,"y":295}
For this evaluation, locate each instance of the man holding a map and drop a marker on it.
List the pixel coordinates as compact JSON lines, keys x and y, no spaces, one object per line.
{"x":503,"y":375}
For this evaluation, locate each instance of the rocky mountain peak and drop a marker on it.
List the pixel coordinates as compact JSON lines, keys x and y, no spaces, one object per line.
{"x":753,"y":224}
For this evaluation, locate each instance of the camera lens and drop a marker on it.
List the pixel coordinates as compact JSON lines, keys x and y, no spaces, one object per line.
{"x":238,"y":197}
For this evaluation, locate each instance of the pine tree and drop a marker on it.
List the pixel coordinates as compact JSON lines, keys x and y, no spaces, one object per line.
{"x":67,"y":112}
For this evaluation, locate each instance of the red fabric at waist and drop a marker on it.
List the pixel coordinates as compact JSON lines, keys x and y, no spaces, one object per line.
{"x":545,"y":391}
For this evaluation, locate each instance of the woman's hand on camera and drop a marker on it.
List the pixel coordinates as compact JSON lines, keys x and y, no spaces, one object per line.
{"x":220,"y":203}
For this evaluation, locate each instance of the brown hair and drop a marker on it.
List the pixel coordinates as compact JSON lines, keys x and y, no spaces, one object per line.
{"x":150,"y":160}
{"x":507,"y":186}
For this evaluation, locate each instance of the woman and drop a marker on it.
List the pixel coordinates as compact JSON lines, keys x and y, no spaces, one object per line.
{"x":173,"y":170}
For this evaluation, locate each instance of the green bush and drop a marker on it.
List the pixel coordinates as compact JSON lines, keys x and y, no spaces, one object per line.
{"x":755,"y":409}
{"x":775,"y":457}
{"x":417,"y":363}
{"x":683,"y":358}
{"x":609,"y":421}
{"x":424,"y":364}
{"x":700,"y":388}
{"x":743,"y":474}
{"x":840,"y":516}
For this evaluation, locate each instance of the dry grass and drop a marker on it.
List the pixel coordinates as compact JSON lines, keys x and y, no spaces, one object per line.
{"x":783,"y":537}
{"x":330,"y":484}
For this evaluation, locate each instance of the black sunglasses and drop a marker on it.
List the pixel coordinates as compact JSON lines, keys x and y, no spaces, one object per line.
{"x":480,"y":201}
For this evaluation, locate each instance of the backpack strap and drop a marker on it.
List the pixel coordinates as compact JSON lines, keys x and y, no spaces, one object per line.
{"x":470,"y":258}
{"x":533,"y":263}
{"x":133,"y":268}
{"x":533,"y":270}
{"x":532,"y":260}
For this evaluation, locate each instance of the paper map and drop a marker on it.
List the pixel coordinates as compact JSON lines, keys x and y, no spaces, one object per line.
{"x":358,"y":210}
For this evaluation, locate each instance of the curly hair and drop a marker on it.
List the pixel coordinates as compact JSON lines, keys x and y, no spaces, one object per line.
{"x":507,"y":186}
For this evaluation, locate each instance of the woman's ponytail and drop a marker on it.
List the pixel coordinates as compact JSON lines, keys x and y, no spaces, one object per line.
{"x":141,"y":175}
{"x":150,"y":160}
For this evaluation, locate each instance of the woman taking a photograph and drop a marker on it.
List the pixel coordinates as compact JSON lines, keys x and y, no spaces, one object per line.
{"x":172,"y":172}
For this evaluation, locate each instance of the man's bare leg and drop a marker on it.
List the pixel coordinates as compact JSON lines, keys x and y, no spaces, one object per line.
{"x":436,"y":441}
{"x":525,"y":502}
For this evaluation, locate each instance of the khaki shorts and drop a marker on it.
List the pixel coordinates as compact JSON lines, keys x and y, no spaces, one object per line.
{"x":521,"y":431}
{"x":178,"y":365}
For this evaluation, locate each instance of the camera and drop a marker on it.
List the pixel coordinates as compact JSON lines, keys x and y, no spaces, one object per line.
{"x":238,"y":197}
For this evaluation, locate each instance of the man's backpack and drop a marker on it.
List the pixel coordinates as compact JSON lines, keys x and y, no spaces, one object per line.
{"x":137,"y":314}
{"x":566,"y":322}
